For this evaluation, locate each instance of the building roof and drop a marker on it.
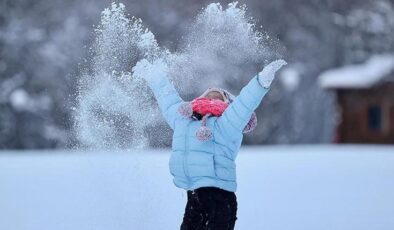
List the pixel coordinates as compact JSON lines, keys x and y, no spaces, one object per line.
{"x":359,"y":76}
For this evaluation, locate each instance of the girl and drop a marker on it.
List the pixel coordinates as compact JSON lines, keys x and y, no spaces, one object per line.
{"x":207,"y":137}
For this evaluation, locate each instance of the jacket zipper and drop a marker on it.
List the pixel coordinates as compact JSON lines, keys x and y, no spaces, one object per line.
{"x":185,"y":169}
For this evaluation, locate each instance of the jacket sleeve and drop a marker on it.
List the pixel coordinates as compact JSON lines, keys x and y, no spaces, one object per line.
{"x":167,"y":97}
{"x":238,"y":113}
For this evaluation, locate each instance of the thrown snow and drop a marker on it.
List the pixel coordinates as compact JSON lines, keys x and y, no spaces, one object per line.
{"x":280,"y":188}
{"x":222,"y":44}
{"x":114,"y":106}
{"x":290,"y":78}
{"x":359,"y":76}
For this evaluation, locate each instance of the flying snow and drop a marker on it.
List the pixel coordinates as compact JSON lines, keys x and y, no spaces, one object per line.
{"x":115,"y":107}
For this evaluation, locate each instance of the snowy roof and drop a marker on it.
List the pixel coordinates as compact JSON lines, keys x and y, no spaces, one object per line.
{"x":364,"y":75}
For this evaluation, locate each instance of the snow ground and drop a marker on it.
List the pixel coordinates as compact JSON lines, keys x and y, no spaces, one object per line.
{"x":280,"y":188}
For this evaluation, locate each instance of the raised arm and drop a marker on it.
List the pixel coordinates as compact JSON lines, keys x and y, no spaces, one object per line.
{"x":238,"y":113}
{"x":165,"y":93}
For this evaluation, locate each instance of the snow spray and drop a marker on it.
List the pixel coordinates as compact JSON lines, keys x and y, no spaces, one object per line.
{"x":114,"y":106}
{"x":222,"y":46}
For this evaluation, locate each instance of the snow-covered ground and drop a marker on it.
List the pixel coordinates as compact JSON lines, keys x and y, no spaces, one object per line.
{"x":280,"y":188}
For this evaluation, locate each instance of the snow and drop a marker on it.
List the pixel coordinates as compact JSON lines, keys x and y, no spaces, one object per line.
{"x":280,"y":188}
{"x":23,"y":101}
{"x":19,"y":99}
{"x":363,"y":75}
{"x":290,"y":78}
{"x":109,"y":96}
{"x":221,"y":45}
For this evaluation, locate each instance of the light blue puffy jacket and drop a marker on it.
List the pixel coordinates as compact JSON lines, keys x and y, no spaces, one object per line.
{"x":195,"y":163}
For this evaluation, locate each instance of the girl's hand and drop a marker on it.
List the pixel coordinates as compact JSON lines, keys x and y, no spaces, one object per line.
{"x":267,"y":75}
{"x":149,"y":71}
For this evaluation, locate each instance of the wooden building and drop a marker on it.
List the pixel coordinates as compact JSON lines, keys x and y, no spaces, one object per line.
{"x":365,"y":100}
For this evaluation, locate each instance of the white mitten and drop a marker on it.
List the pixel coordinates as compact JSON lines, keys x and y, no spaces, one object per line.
{"x":267,"y":75}
{"x":149,"y":71}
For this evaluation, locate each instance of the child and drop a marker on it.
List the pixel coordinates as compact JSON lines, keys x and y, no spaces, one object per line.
{"x":207,"y":137}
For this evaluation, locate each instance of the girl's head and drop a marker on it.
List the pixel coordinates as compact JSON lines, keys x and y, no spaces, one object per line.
{"x":218,"y":94}
{"x":215,"y":95}
{"x":213,"y":102}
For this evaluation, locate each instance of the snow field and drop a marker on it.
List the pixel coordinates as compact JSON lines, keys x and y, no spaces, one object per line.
{"x":280,"y":188}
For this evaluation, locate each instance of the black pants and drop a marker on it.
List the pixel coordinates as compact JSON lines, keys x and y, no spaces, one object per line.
{"x":210,"y":208}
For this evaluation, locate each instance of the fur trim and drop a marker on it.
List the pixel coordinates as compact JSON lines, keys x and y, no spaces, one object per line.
{"x":188,"y":110}
{"x":185,"y":109}
{"x":251,"y":124}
